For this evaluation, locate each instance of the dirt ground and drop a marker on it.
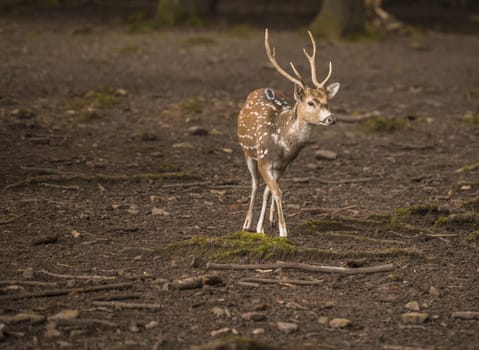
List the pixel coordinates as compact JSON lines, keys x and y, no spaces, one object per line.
{"x":121,"y":170}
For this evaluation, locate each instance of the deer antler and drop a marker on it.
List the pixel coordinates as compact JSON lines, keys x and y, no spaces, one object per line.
{"x":311,"y":58}
{"x":272,"y":59}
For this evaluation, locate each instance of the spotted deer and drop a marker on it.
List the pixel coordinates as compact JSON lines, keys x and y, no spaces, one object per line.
{"x":272,"y":132}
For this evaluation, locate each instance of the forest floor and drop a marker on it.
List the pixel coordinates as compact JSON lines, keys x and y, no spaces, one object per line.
{"x":121,"y":175}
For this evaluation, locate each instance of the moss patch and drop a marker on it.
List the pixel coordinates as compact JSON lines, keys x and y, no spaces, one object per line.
{"x":473,"y":236}
{"x":200,"y":40}
{"x":192,"y":106}
{"x":471,"y":118}
{"x":241,"y":243}
{"x":384,"y":125}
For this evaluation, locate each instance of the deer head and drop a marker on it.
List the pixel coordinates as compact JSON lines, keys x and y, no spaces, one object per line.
{"x":311,"y":102}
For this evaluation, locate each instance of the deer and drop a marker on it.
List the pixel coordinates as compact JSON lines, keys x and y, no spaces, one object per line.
{"x":272,"y":131}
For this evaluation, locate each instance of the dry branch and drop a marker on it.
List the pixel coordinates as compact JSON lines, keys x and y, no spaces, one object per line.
{"x":196,"y":282}
{"x":346,"y":181}
{"x":7,"y":221}
{"x":58,"y":292}
{"x":78,"y":277}
{"x":282,"y":281}
{"x":28,"y":283}
{"x":466,"y":315}
{"x":123,"y":305}
{"x":302,"y":267}
{"x":85,"y":322}
{"x":59,"y":176}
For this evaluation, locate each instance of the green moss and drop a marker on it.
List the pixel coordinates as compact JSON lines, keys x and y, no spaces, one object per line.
{"x":200,"y":40}
{"x":384,"y":125}
{"x":246,"y":244}
{"x":463,"y":219}
{"x":131,"y":50}
{"x":326,"y":225}
{"x":192,"y":106}
{"x":473,"y":236}
{"x":471,"y":118}
{"x":242,"y":31}
{"x":102,"y":98}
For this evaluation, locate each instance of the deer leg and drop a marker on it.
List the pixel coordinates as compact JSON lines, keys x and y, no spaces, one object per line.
{"x":253,"y":169}
{"x":260,"y":226}
{"x":271,"y":214}
{"x":270,"y":178}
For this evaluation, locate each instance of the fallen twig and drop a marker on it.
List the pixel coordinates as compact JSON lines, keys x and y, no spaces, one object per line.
{"x":78,"y":277}
{"x":28,"y":283}
{"x":58,"y":292}
{"x":346,"y":181}
{"x":196,"y":282}
{"x":7,"y":221}
{"x":85,"y":322}
{"x":466,"y":315}
{"x":123,"y":305}
{"x":302,"y":267}
{"x":62,"y":177}
{"x":282,"y":281}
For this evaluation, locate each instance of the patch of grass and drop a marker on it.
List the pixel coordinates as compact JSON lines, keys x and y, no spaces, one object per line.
{"x":370,"y":34}
{"x":241,"y":243}
{"x":132,"y":50}
{"x":473,"y":236}
{"x":140,"y":22}
{"x":417,"y":210}
{"x":459,"y":219}
{"x":102,"y":98}
{"x":471,"y":118}
{"x":192,"y":106}
{"x":384,"y":125}
{"x":242,"y":31}
{"x":200,"y":40}
{"x":327,"y":225}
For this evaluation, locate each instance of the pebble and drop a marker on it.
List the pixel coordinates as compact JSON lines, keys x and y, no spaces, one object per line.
{"x":28,"y":273}
{"x":412,"y":306}
{"x":287,"y":327}
{"x":152,"y":324}
{"x":184,"y":145}
{"x":339,"y":323}
{"x":197,"y":131}
{"x":414,"y":317}
{"x":51,"y":330}
{"x":325,"y":154}
{"x":221,"y":331}
{"x":133,"y":327}
{"x":159,"y":211}
{"x":257,"y":331}
{"x":434,"y":292}
{"x":323,"y":320}
{"x":253,"y":316}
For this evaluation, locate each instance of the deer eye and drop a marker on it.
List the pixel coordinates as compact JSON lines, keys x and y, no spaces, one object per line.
{"x":311,"y":103}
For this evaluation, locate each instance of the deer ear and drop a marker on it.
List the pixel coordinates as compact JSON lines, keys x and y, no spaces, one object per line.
{"x":298,"y":93}
{"x":332,"y":90}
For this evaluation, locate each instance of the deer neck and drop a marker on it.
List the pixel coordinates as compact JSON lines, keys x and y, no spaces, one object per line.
{"x":296,"y":130}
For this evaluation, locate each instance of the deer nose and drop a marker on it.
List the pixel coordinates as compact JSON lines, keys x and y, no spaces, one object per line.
{"x":330,"y":120}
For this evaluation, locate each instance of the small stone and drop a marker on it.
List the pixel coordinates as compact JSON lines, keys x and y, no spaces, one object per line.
{"x":197,"y":131}
{"x":323,"y":320}
{"x":257,"y":331}
{"x":121,"y":92}
{"x":64,"y":344}
{"x":152,"y":324}
{"x":227,"y":150}
{"x":218,"y":311}
{"x":253,"y":316}
{"x":287,"y":327}
{"x":434,"y":292}
{"x":183,"y":145}
{"x":51,"y":330}
{"x":221,"y":331}
{"x":412,"y":306}
{"x":159,"y":211}
{"x":133,"y":327}
{"x":414,"y":317}
{"x":64,"y":315}
{"x":28,"y":273}
{"x":325,"y":154}
{"x":339,"y":323}
{"x":133,"y":211}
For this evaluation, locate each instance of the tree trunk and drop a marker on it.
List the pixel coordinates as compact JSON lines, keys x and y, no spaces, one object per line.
{"x":340,"y":18}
